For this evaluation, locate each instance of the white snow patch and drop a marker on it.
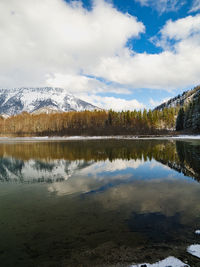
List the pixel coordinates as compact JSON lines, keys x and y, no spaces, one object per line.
{"x":194,"y":250}
{"x":197,"y":232}
{"x":168,"y":262}
{"x":187,"y":137}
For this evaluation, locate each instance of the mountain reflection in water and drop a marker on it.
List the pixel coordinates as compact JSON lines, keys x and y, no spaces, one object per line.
{"x":99,"y":203}
{"x":57,"y":161}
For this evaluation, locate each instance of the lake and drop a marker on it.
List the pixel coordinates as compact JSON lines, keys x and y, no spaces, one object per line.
{"x":99,"y":202}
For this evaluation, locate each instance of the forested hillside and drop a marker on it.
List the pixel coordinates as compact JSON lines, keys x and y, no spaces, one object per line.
{"x":181,"y":100}
{"x":188,"y":104}
{"x":189,"y":115}
{"x":90,"y":123}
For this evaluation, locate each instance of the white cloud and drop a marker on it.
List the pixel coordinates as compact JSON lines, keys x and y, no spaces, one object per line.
{"x":83,"y":84}
{"x":195,"y":6}
{"x":181,"y":29}
{"x":87,"y":88}
{"x":163,"y":5}
{"x":51,"y":36}
{"x":173,"y":68}
{"x":113,"y":103}
{"x":80,"y":182}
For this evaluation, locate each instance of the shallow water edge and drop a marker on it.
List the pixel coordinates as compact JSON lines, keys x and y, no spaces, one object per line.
{"x":117,"y":137}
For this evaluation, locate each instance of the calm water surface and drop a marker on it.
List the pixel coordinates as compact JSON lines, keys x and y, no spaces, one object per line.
{"x":98,"y":203}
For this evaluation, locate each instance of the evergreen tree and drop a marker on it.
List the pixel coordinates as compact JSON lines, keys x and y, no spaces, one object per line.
{"x":180,"y":120}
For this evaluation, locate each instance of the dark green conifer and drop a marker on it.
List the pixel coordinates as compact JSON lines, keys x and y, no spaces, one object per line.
{"x":180,"y":120}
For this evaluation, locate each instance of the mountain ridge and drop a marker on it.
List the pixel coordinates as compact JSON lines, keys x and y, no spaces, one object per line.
{"x":181,"y":100}
{"x":34,"y":99}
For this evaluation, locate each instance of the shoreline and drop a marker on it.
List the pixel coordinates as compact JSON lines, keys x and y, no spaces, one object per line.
{"x":113,"y":137}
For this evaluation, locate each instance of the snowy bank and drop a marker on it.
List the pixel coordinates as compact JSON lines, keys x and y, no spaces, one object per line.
{"x":194,"y":250}
{"x":170,"y":261}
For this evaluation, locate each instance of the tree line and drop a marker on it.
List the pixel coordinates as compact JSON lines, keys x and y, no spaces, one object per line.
{"x":90,"y":123}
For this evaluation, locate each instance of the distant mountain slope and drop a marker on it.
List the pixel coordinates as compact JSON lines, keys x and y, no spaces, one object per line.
{"x":40,"y":100}
{"x":181,"y":100}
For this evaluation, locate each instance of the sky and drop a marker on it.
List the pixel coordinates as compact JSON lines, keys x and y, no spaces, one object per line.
{"x":115,"y":54}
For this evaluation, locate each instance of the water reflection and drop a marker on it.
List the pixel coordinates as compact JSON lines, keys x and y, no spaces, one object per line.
{"x":57,"y":161}
{"x":99,"y":203}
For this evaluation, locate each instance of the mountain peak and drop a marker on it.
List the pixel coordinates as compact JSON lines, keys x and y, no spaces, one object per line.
{"x":40,"y":99}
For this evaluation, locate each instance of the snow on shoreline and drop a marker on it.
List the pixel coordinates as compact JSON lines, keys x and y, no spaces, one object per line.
{"x":194,"y":250}
{"x":49,"y":138}
{"x":187,"y":137}
{"x":170,"y":261}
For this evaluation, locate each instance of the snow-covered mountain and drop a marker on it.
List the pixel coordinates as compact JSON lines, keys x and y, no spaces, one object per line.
{"x":40,"y":100}
{"x":17,"y":170}
{"x":181,"y":100}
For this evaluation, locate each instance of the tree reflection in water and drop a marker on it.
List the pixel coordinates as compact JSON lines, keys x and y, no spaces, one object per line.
{"x":62,"y":158}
